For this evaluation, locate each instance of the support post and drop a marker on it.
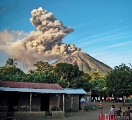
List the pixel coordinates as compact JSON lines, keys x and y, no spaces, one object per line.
{"x":63,"y":103}
{"x":71,"y":102}
{"x":58,"y":100}
{"x":123,"y":100}
{"x":30,"y":101}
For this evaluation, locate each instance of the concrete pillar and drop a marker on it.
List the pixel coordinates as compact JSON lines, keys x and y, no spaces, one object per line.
{"x":30,"y":101}
{"x":63,"y":102}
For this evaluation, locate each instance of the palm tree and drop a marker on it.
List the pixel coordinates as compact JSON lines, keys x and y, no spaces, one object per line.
{"x":11,"y":62}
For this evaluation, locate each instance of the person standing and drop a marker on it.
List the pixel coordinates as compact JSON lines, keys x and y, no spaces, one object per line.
{"x":112,"y":110}
{"x":100,"y":106}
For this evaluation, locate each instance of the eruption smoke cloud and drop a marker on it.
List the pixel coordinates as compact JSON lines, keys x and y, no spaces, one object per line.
{"x":45,"y":43}
{"x":50,"y":32}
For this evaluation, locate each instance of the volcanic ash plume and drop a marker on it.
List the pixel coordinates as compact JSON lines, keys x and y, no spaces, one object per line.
{"x":50,"y":31}
{"x":45,"y":43}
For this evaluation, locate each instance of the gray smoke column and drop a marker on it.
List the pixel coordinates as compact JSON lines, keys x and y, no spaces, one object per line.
{"x":43,"y":44}
{"x":48,"y":37}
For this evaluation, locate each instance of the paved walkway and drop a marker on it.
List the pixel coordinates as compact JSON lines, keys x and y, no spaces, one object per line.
{"x":94,"y":114}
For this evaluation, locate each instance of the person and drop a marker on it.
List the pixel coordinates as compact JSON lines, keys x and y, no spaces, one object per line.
{"x":118,"y":112}
{"x":115,"y":99}
{"x":127,"y":112}
{"x":100,"y":106}
{"x":120,"y":99}
{"x":107,"y":98}
{"x":112,"y":110}
{"x":112,"y":99}
{"x":83,"y":101}
{"x":102,"y":99}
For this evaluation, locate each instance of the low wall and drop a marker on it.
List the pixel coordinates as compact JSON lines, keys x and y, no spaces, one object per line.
{"x":57,"y":114}
{"x":35,"y":115}
{"x":29,"y":115}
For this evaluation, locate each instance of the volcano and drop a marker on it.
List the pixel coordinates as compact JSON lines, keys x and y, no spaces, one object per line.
{"x":85,"y":62}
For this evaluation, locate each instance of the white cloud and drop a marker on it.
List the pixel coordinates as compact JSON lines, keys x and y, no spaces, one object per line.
{"x":120,"y":44}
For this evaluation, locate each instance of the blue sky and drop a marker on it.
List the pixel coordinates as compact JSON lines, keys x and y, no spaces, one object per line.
{"x":102,"y":28}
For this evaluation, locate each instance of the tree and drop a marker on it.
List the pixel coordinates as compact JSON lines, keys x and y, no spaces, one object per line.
{"x":11,"y":73}
{"x":87,"y":76}
{"x":11,"y":62}
{"x":63,"y":83}
{"x":119,"y":81}
{"x":99,"y":87}
{"x":97,"y":79}
{"x":67,"y":72}
{"x":96,"y":75}
{"x":82,"y":83}
{"x":42,"y":66}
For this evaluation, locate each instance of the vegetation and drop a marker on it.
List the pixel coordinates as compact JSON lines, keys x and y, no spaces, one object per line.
{"x":99,"y":87}
{"x":117,"y":82}
{"x":10,"y":71}
{"x":67,"y":72}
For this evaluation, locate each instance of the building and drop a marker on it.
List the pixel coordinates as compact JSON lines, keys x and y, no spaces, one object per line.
{"x":24,"y":98}
{"x":73,"y":99}
{"x":20,"y":97}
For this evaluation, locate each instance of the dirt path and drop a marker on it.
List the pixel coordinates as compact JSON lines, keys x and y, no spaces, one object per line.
{"x":90,"y":114}
{"x":94,"y":114}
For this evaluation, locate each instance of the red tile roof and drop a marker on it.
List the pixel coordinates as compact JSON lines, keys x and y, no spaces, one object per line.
{"x":12,"y":84}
